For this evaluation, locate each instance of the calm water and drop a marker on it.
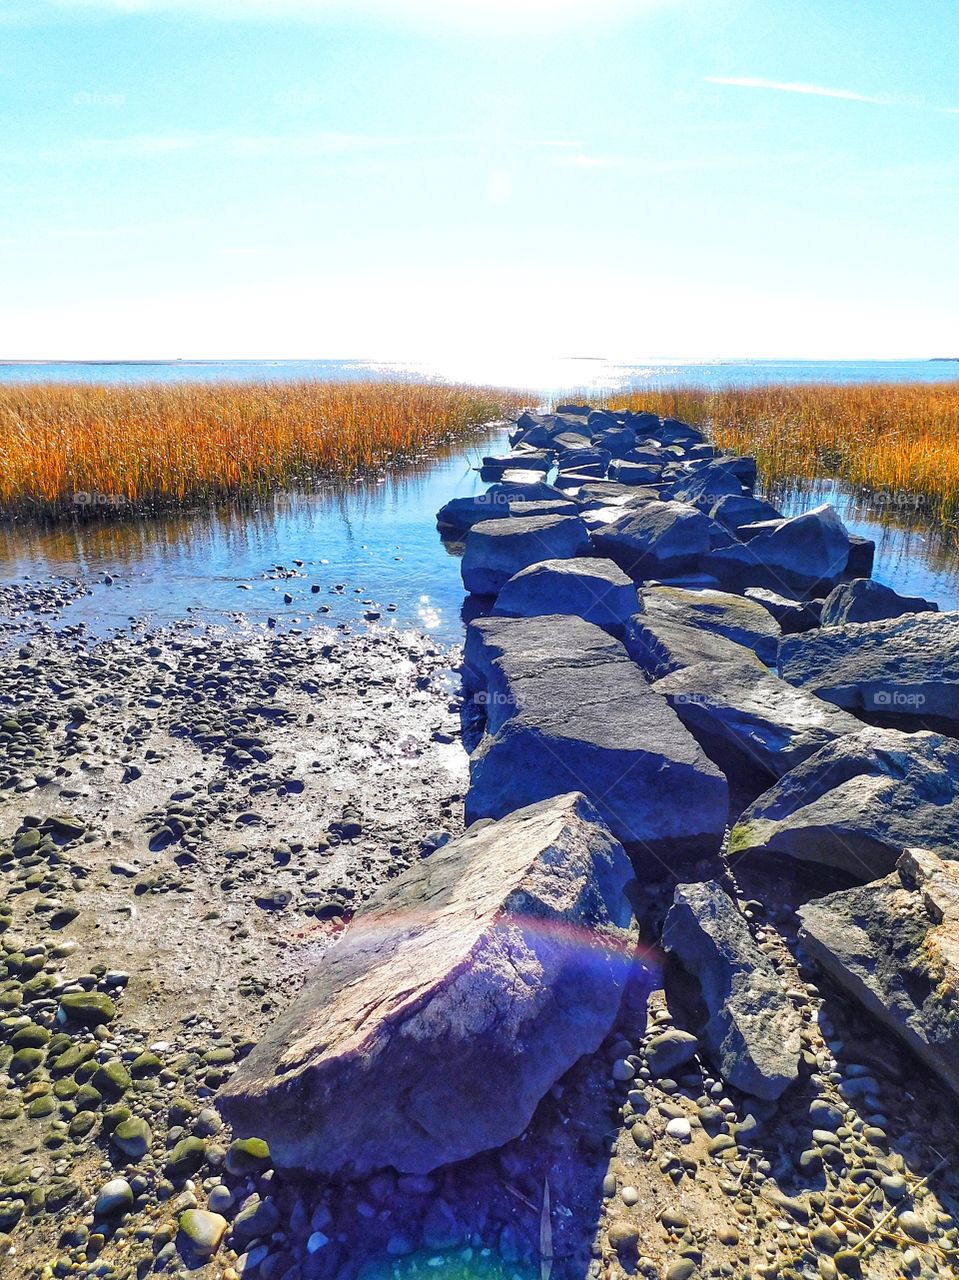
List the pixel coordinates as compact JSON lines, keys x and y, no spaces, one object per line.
{"x":546,"y":378}
{"x":370,"y":546}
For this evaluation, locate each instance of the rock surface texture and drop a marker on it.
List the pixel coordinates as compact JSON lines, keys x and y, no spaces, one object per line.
{"x":904,"y":668}
{"x":752,"y":1029}
{"x":457,"y":998}
{"x":858,"y":802}
{"x":894,"y":946}
{"x":566,"y":709}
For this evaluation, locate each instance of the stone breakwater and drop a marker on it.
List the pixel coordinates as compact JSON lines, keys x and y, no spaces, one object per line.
{"x":679,"y":1002}
{"x":672,"y":692}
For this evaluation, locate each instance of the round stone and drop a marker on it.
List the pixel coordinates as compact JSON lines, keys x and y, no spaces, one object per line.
{"x":201,"y":1232}
{"x":681,"y":1130}
{"x":115,"y":1197}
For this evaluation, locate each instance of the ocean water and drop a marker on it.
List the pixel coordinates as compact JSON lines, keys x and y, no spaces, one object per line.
{"x":550,"y":377}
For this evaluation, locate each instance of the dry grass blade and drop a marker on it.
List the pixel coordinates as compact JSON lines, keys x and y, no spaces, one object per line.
{"x":144,"y":448}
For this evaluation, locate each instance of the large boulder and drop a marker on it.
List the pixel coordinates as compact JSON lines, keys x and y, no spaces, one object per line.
{"x":736,"y":510}
{"x":732,"y":616}
{"x":894,"y":946}
{"x":863,"y":600}
{"x":858,"y":802}
{"x":752,"y":724}
{"x":635,"y":472}
{"x":752,"y":1029}
{"x":498,"y":549}
{"x":567,"y":709}
{"x":660,"y":647}
{"x":902,"y":670}
{"x":459,"y":995}
{"x":657,"y":540}
{"x":803,"y":555}
{"x":593,"y":589}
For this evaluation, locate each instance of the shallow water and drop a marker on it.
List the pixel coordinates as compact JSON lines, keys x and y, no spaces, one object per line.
{"x":376,"y":541}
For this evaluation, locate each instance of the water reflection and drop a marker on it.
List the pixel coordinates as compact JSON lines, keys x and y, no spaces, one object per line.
{"x":362,"y":548}
{"x":349,"y":552}
{"x":915,"y":556}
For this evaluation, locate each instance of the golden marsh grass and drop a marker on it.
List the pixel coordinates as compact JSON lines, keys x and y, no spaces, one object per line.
{"x":887,"y":438}
{"x":144,"y":448}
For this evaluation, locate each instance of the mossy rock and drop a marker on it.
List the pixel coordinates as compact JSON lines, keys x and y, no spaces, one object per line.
{"x":115,"y":1116}
{"x":66,"y":1063}
{"x":82,"y":1123}
{"x":43,"y":1106}
{"x":91,"y":1008}
{"x":30,"y":1037}
{"x":24,"y":1061}
{"x":59,"y":1194}
{"x":180,"y":1110}
{"x":66,"y":1088}
{"x":27,"y":841}
{"x":87,"y":1098}
{"x":39,"y":985}
{"x":133,"y":1137}
{"x":145,"y":1064}
{"x":247,"y":1155}
{"x":112,"y":1079}
{"x":186,"y":1157}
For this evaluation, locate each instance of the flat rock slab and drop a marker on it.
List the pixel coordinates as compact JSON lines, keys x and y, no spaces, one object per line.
{"x":660,"y":646}
{"x":894,"y":946}
{"x":752,"y":1029}
{"x":858,"y":802}
{"x":462,"y":992}
{"x":721,"y":612}
{"x":752,"y":724}
{"x":567,"y":709}
{"x":904,"y":668}
{"x":593,"y":589}
{"x":498,"y":549}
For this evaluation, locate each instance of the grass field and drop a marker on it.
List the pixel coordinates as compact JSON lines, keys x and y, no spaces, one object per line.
{"x":898,"y":441}
{"x":68,"y":449}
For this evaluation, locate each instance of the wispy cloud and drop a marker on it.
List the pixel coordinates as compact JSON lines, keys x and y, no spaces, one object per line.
{"x":915,"y":100}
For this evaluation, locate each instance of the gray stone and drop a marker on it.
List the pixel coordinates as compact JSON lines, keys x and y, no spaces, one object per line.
{"x":858,"y":802}
{"x":752,"y":1029}
{"x":567,"y":709}
{"x":863,"y":600}
{"x":793,"y":616}
{"x":115,"y":1197}
{"x":660,"y":647}
{"x":669,"y":1050}
{"x":498,"y":549}
{"x":460,"y":994}
{"x":754,"y":725}
{"x":802,"y":555}
{"x":736,"y":510}
{"x":902,"y":669}
{"x":659,"y":539}
{"x":590,"y":588}
{"x":720,"y":612}
{"x":894,"y":946}
{"x":458,"y":515}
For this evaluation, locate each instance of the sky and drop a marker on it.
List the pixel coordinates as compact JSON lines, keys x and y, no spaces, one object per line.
{"x":482,"y":182}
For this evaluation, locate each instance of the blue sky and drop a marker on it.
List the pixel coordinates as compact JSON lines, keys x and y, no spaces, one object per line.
{"x":479,"y":182}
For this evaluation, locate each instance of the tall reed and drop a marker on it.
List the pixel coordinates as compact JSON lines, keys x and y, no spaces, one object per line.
{"x":887,"y":438}
{"x":66,"y":448}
